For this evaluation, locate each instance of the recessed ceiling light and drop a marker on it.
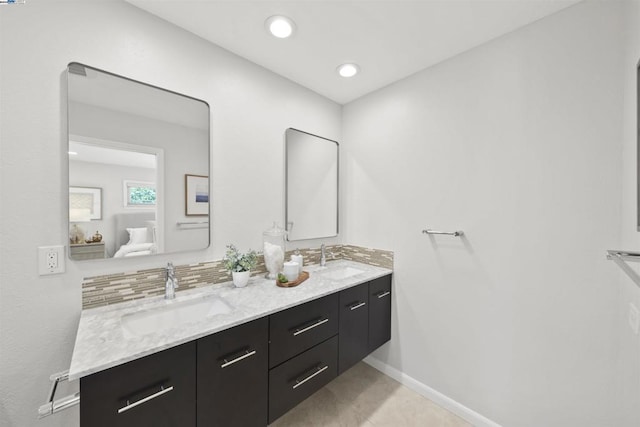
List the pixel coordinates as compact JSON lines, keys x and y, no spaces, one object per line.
{"x":348,"y":70}
{"x":73,"y":153}
{"x":280,"y":26}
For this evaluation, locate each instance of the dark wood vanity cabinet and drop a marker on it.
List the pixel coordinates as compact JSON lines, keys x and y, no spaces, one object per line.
{"x":313,"y":343}
{"x":157,"y":390}
{"x":303,"y":352}
{"x":354,"y":326}
{"x":379,"y":312}
{"x":365,"y":320}
{"x":248,"y":375}
{"x":232,"y":376}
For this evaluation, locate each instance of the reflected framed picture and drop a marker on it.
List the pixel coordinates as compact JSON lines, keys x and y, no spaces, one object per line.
{"x":83,"y":199}
{"x":196,"y":190}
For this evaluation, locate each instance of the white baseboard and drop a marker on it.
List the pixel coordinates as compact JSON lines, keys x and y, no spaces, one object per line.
{"x":435,"y":396}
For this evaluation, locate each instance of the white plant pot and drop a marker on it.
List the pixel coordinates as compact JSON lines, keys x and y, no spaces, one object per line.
{"x":240,"y":278}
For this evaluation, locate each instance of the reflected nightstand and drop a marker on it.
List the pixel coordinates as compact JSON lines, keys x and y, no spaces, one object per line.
{"x":84,"y":251}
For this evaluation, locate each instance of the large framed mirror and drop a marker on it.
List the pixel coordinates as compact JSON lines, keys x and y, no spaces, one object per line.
{"x":311,"y":193}
{"x":138,"y":167}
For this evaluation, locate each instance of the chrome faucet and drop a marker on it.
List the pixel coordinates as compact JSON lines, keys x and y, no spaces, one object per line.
{"x":171,"y":284}
{"x":323,"y":257}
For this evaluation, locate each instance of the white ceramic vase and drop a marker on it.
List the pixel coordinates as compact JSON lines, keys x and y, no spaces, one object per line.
{"x":240,"y":278}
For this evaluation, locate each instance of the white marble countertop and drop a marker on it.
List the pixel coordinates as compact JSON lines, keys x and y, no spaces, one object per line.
{"x":102,"y":343}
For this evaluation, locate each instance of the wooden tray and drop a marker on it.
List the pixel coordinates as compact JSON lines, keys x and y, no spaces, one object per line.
{"x":301,"y":278}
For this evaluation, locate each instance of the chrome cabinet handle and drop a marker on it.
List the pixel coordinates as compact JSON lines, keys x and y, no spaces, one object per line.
{"x":145,"y":400}
{"x":317,"y":372}
{"x":357,"y":305}
{"x":246,"y":354}
{"x":315,"y":325}
{"x":384,"y":294}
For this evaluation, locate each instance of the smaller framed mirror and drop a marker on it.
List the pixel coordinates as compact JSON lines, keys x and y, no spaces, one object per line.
{"x":311,"y":186}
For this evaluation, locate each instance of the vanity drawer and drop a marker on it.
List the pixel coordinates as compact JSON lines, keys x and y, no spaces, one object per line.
{"x":299,"y":328}
{"x":157,"y":390}
{"x":233,"y":375}
{"x":294,"y":381}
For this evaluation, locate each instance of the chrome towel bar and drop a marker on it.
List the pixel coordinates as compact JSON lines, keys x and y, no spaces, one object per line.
{"x":456,"y":233}
{"x":52,"y":406}
{"x":192,"y":224}
{"x":621,"y":258}
{"x":626,"y":255}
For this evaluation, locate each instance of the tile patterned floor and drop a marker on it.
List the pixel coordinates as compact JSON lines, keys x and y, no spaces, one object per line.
{"x":365,"y":397}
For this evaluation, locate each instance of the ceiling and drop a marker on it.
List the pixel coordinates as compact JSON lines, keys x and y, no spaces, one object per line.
{"x":389,"y":39}
{"x":111,"y":156}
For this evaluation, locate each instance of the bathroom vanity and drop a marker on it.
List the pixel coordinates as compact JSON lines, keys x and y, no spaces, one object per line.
{"x":256,"y":353}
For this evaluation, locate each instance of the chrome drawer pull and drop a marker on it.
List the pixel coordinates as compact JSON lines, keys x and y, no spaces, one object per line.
{"x":357,"y":305}
{"x":146,"y":399}
{"x":384,"y":294}
{"x":317,"y":372}
{"x":318,"y":323}
{"x":237,"y":359}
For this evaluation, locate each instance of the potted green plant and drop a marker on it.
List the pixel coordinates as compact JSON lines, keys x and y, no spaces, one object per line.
{"x":240,"y":265}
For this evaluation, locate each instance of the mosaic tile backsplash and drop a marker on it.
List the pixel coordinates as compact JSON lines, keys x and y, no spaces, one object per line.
{"x":121,"y":287}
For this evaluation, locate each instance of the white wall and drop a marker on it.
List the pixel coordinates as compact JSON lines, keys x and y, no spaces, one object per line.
{"x":251,"y":108}
{"x":518,"y":143}
{"x":629,"y":357}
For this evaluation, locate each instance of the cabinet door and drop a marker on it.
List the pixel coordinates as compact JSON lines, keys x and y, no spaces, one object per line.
{"x":379,"y":312}
{"x":354,"y":326}
{"x":233,"y":375}
{"x":299,"y":328}
{"x":157,"y":390}
{"x":295,"y":380}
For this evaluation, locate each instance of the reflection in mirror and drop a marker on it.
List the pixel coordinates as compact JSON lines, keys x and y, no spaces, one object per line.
{"x":311,"y":186}
{"x":131,"y":148}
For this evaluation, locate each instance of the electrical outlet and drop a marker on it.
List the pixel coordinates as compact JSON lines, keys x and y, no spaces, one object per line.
{"x":50,"y":260}
{"x":634,"y":318}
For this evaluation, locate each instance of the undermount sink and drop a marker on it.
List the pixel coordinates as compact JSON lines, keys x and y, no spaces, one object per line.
{"x":173,"y":315}
{"x":342,"y":273}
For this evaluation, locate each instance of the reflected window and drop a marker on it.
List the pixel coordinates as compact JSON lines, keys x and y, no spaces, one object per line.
{"x":137,"y":194}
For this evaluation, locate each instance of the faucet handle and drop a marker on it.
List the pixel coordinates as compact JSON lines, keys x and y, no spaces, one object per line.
{"x":170,"y":270}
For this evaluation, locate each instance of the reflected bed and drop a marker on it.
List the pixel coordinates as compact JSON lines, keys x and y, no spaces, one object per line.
{"x":135,"y":234}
